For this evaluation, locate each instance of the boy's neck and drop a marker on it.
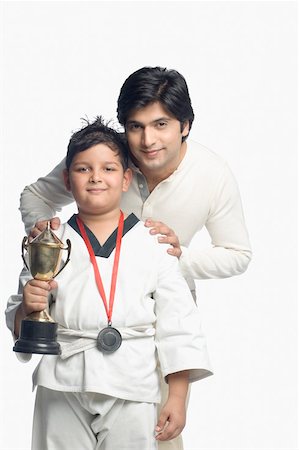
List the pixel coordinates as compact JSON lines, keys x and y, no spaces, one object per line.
{"x":102,"y":225}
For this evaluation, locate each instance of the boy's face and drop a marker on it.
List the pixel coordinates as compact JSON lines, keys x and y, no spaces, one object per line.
{"x":155,"y":139}
{"x":97,"y":180}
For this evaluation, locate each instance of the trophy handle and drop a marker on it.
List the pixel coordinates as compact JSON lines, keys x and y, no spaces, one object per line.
{"x":68,"y":248}
{"x":24,"y":247}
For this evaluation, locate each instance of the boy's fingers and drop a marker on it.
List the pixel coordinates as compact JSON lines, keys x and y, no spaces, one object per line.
{"x":53,"y":284}
{"x":170,"y":432}
{"x":162,"y":423}
{"x":45,"y":285}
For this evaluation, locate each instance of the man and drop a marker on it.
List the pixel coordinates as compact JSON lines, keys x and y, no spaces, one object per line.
{"x":176,"y":182}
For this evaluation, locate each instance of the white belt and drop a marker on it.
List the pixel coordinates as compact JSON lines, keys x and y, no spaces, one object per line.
{"x":76,"y":341}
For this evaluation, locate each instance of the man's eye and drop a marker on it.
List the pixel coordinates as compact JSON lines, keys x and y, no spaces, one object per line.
{"x":161,"y":124}
{"x":134,"y":127}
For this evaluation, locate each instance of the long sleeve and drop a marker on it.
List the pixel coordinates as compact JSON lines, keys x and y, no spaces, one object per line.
{"x":13,"y":303}
{"x":180,"y":342}
{"x":201,"y":193}
{"x":44,"y":198}
{"x":230,"y":252}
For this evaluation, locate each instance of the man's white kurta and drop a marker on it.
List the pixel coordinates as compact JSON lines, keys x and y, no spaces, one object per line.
{"x":151,"y":295}
{"x":202,"y":192}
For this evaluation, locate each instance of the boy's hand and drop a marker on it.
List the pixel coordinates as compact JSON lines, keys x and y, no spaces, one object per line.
{"x":168,"y":236}
{"x":42,"y":225}
{"x":172,"y":419}
{"x":35,"y":295}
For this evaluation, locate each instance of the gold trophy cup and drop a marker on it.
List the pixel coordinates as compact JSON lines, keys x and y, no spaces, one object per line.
{"x":38,"y":330}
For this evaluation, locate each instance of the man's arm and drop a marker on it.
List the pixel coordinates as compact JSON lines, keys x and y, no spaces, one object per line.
{"x":42,"y":199}
{"x":230,"y":250}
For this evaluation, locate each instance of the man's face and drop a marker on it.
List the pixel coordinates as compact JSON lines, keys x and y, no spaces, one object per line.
{"x":155,"y":140}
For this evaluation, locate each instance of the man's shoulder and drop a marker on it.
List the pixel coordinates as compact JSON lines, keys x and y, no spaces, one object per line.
{"x":201,"y":153}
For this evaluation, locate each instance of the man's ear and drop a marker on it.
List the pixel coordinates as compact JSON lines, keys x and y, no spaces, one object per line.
{"x":128,"y":175}
{"x":185,"y":128}
{"x":66,"y":179}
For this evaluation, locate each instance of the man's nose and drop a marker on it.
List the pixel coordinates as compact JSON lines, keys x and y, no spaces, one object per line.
{"x":148,"y":137}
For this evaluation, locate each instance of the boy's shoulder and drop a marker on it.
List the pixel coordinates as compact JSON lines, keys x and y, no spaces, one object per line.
{"x":136,"y":235}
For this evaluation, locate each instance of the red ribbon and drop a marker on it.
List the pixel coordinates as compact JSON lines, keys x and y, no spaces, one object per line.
{"x":108,"y":308}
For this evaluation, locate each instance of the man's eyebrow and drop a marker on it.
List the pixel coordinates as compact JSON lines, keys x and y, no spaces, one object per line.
{"x":133,"y":121}
{"x":160,"y":119}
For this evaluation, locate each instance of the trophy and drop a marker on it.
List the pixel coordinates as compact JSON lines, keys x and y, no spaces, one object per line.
{"x":38,"y":330}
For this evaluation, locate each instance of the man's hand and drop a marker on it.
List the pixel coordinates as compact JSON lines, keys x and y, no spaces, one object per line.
{"x":42,"y":225}
{"x":168,"y":236}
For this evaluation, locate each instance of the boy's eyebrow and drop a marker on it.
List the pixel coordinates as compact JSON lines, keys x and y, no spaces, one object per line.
{"x":78,"y":163}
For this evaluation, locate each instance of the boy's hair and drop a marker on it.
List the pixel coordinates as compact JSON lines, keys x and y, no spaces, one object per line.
{"x":97,"y":132}
{"x":156,"y":84}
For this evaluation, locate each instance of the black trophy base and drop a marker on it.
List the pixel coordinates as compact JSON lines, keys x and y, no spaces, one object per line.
{"x":38,"y":337}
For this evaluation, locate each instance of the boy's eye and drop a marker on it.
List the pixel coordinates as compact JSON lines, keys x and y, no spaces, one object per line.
{"x":83,"y":169}
{"x":110,"y":169}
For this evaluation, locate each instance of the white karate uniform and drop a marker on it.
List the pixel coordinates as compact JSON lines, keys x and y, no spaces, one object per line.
{"x":91,"y":421}
{"x":153,"y":309}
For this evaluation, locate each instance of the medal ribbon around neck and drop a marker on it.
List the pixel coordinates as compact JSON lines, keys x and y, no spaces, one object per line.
{"x":108,"y":308}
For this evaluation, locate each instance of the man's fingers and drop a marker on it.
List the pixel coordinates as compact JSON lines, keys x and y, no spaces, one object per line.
{"x":172,"y":240}
{"x":174,"y":251}
{"x":167,"y":236}
{"x":41,"y":225}
{"x":162,"y":229}
{"x":55,"y":223}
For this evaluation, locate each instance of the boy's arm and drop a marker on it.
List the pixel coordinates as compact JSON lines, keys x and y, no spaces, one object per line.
{"x":172,"y":417}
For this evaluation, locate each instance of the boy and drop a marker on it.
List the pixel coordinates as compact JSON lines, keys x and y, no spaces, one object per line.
{"x":101,"y":393}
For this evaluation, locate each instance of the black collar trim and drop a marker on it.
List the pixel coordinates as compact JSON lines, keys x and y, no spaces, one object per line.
{"x":105,"y":250}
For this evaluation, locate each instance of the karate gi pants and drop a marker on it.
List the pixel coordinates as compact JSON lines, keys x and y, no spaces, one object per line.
{"x":91,"y":421}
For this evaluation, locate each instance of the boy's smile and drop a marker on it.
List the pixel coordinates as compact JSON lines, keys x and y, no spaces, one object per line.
{"x":97,"y":179}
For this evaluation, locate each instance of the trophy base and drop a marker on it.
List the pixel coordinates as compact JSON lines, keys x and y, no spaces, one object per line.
{"x":38,"y":337}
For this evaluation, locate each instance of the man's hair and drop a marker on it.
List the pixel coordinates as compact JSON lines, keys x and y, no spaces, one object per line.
{"x":155,"y":84}
{"x":97,"y":132}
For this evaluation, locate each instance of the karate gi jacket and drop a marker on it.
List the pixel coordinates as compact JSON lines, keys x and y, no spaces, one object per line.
{"x":153,"y":309}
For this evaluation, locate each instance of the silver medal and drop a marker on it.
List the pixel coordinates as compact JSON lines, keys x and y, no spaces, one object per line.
{"x":109,"y":340}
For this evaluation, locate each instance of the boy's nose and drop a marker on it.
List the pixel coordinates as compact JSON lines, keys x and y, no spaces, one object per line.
{"x":95,"y":178}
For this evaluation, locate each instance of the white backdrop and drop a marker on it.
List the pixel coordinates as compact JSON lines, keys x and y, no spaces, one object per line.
{"x":65,"y":60}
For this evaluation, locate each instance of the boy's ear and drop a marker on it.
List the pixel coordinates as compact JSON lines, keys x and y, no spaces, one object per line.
{"x":128,"y":175}
{"x":66,"y":179}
